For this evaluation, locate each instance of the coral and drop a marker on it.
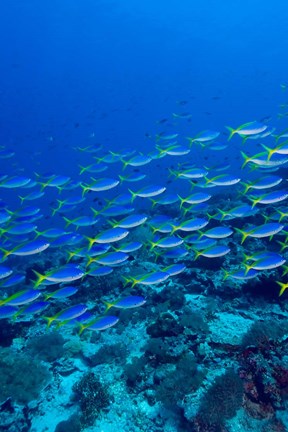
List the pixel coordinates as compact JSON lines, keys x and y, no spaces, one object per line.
{"x":12,"y":330}
{"x":21,"y":377}
{"x":167,"y":350}
{"x":195,"y":322}
{"x":185,"y":379}
{"x":261,"y":334}
{"x":92,"y":397}
{"x":73,"y":424}
{"x":134,"y":370}
{"x":165,"y":325}
{"x":108,"y":354}
{"x":222,"y":399}
{"x":47,"y":347}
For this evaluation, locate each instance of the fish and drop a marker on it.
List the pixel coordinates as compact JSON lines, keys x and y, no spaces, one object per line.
{"x":67,"y":314}
{"x":247,"y":129}
{"x":166,"y":242}
{"x":260,"y":231}
{"x":109,"y":259}
{"x":269,"y":197}
{"x":265,"y":182}
{"x":10,"y":281}
{"x":30,"y":248}
{"x":267,"y":263}
{"x":147,"y":192}
{"x":135,"y":161}
{"x":132,"y":221}
{"x":217,"y":232}
{"x":66,"y":273}
{"x":212,"y":252}
{"x":196,"y":198}
{"x":99,"y":323}
{"x":282,"y":285}
{"x":80,"y":221}
{"x":129,"y":247}
{"x":21,"y":297}
{"x":174,"y":269}
{"x":31,"y":309}
{"x":14,"y":182}
{"x":190,"y":225}
{"x":190,"y":173}
{"x":109,"y":236}
{"x":204,"y":136}
{"x":63,"y":292}
{"x":99,"y":185}
{"x":7,"y":311}
{"x":240,"y":274}
{"x":99,"y":271}
{"x":93,"y":168}
{"x":147,"y":279}
{"x":128,"y":302}
{"x":5,"y":272}
{"x":131,"y":178}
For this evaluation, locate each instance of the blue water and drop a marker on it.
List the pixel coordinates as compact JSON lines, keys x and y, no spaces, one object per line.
{"x":75,"y":74}
{"x":113,"y":68}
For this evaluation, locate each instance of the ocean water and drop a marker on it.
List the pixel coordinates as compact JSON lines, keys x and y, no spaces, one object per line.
{"x":96,"y":89}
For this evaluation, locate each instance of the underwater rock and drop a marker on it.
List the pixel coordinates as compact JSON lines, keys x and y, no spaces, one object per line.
{"x":165,"y":325}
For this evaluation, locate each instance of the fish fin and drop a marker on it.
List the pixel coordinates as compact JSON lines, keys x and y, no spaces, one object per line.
{"x":232,"y":132}
{"x":40,"y":278}
{"x":243,"y":234}
{"x":269,"y":151}
{"x":283,"y":287}
{"x":108,"y":306}
{"x":48,"y":319}
{"x":82,"y":328}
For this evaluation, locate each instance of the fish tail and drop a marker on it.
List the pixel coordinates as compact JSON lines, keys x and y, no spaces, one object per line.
{"x":285,"y":270}
{"x":6,"y":253}
{"x":108,"y":306}
{"x":247,"y":186}
{"x":243,"y":234}
{"x":201,"y":234}
{"x":134,"y":195}
{"x":283,"y":245}
{"x":126,"y":280}
{"x":246,"y":159}
{"x":125,"y":164}
{"x":91,"y":241}
{"x":82,"y":328}
{"x":68,"y":221}
{"x":182,"y":200}
{"x":269,"y":151}
{"x":82,"y":169}
{"x":246,"y":257}
{"x":247,"y":268}
{"x":85,"y":189}
{"x":226,"y":274}
{"x":232,"y":132}
{"x":197,"y":254}
{"x":191,"y":140}
{"x":39,"y":280}
{"x":283,"y":287}
{"x":22,"y":199}
{"x":48,"y":319}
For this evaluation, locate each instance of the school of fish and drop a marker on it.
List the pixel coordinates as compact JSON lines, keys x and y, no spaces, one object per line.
{"x":180,"y":211}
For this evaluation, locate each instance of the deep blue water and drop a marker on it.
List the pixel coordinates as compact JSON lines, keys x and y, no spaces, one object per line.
{"x":113,"y":68}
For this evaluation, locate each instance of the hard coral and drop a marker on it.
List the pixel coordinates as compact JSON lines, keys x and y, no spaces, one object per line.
{"x":47,"y":347}
{"x":92,"y":397}
{"x":222,"y":399}
{"x":21,"y":377}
